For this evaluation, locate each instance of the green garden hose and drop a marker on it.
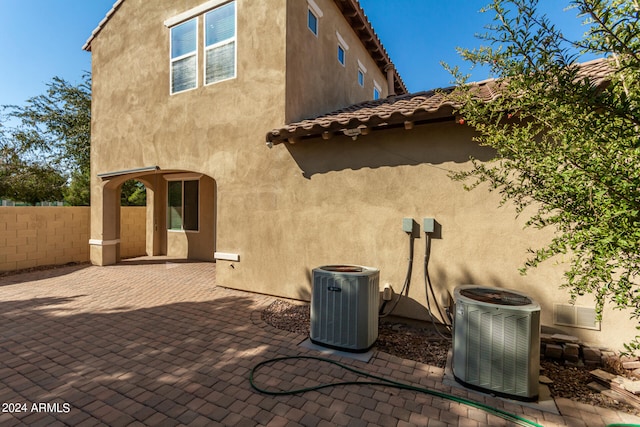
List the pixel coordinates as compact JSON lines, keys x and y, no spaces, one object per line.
{"x":380,"y":381}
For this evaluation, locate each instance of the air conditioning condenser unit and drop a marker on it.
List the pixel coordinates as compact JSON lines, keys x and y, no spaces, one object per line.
{"x":496,"y":341}
{"x":344,"y":307}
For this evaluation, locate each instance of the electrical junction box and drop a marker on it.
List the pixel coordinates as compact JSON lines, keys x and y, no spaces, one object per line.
{"x":429,"y":225}
{"x":407,"y":225}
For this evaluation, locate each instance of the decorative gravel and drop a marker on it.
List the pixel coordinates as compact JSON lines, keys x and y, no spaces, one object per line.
{"x":425,"y":345}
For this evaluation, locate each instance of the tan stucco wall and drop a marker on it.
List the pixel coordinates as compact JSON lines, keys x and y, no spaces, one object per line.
{"x":316,"y":82}
{"x":42,"y":236}
{"x":341,"y":201}
{"x":138,"y":123}
{"x":216,"y":130}
{"x":289,"y":209}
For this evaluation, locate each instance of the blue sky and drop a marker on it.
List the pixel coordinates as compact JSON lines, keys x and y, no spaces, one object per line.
{"x":43,"y":38}
{"x":419,"y":34}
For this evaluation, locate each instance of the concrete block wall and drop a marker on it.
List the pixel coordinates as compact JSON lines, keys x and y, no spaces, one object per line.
{"x":34,"y":236}
{"x":133,"y":231}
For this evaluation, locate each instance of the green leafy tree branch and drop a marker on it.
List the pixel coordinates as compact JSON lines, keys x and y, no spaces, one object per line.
{"x":52,"y":137}
{"x":567,"y":140}
{"x":46,"y":155}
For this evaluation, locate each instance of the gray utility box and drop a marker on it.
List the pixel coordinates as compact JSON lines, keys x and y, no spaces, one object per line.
{"x":344,"y":307}
{"x":496,"y":341}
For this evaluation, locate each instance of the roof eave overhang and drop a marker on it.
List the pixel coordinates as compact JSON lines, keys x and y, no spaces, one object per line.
{"x":354,"y":14}
{"x":356,"y":127}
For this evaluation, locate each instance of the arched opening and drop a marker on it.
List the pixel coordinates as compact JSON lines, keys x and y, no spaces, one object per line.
{"x":179,"y":217}
{"x":133,"y":219}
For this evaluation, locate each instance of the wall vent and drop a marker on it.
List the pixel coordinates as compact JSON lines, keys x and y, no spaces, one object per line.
{"x":576,"y":316}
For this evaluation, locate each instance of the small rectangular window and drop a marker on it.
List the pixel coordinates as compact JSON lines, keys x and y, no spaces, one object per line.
{"x":376,"y":90}
{"x":343,"y":47}
{"x":341,"y":55}
{"x":184,"y":62}
{"x":183,"y":200}
{"x":312,"y":22}
{"x":360,"y":77}
{"x":220,"y":43}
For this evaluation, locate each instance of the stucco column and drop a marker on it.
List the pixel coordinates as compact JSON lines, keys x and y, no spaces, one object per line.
{"x":105,"y":224}
{"x":150,"y":223}
{"x":156,"y":201}
{"x":391,"y":71}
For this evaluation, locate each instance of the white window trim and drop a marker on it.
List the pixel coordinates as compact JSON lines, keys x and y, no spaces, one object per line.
{"x":317,"y":12}
{"x":315,"y":9}
{"x":342,"y":42}
{"x":345,"y":48}
{"x":376,"y":86}
{"x":311,"y":11}
{"x":182,"y":176}
{"x":361,"y":70}
{"x":362,"y":67}
{"x":198,"y":10}
{"x":234,"y":39}
{"x":186,"y":55}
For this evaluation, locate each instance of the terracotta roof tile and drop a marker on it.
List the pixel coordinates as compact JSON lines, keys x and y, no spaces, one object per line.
{"x":417,"y":107}
{"x":421,"y":106}
{"x":597,"y":70}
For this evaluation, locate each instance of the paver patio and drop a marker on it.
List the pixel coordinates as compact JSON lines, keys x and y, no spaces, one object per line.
{"x":156,"y":342}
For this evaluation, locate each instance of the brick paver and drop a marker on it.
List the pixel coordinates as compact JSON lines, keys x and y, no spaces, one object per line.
{"x":154,"y":341}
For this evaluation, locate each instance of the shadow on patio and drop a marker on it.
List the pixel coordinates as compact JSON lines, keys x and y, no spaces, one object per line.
{"x":159,"y":344}
{"x":95,"y":357}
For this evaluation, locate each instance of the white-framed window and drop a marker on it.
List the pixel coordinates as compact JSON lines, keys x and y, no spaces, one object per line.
{"x":312,"y":22}
{"x":220,"y":57}
{"x":314,"y":13}
{"x":362,"y":70}
{"x":183,"y":207}
{"x":184,"y":56}
{"x":377,"y":90}
{"x":220,"y":43}
{"x":341,"y":54}
{"x":343,"y":47}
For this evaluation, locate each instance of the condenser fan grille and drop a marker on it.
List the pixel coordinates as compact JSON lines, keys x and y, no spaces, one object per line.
{"x":495,"y":296}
